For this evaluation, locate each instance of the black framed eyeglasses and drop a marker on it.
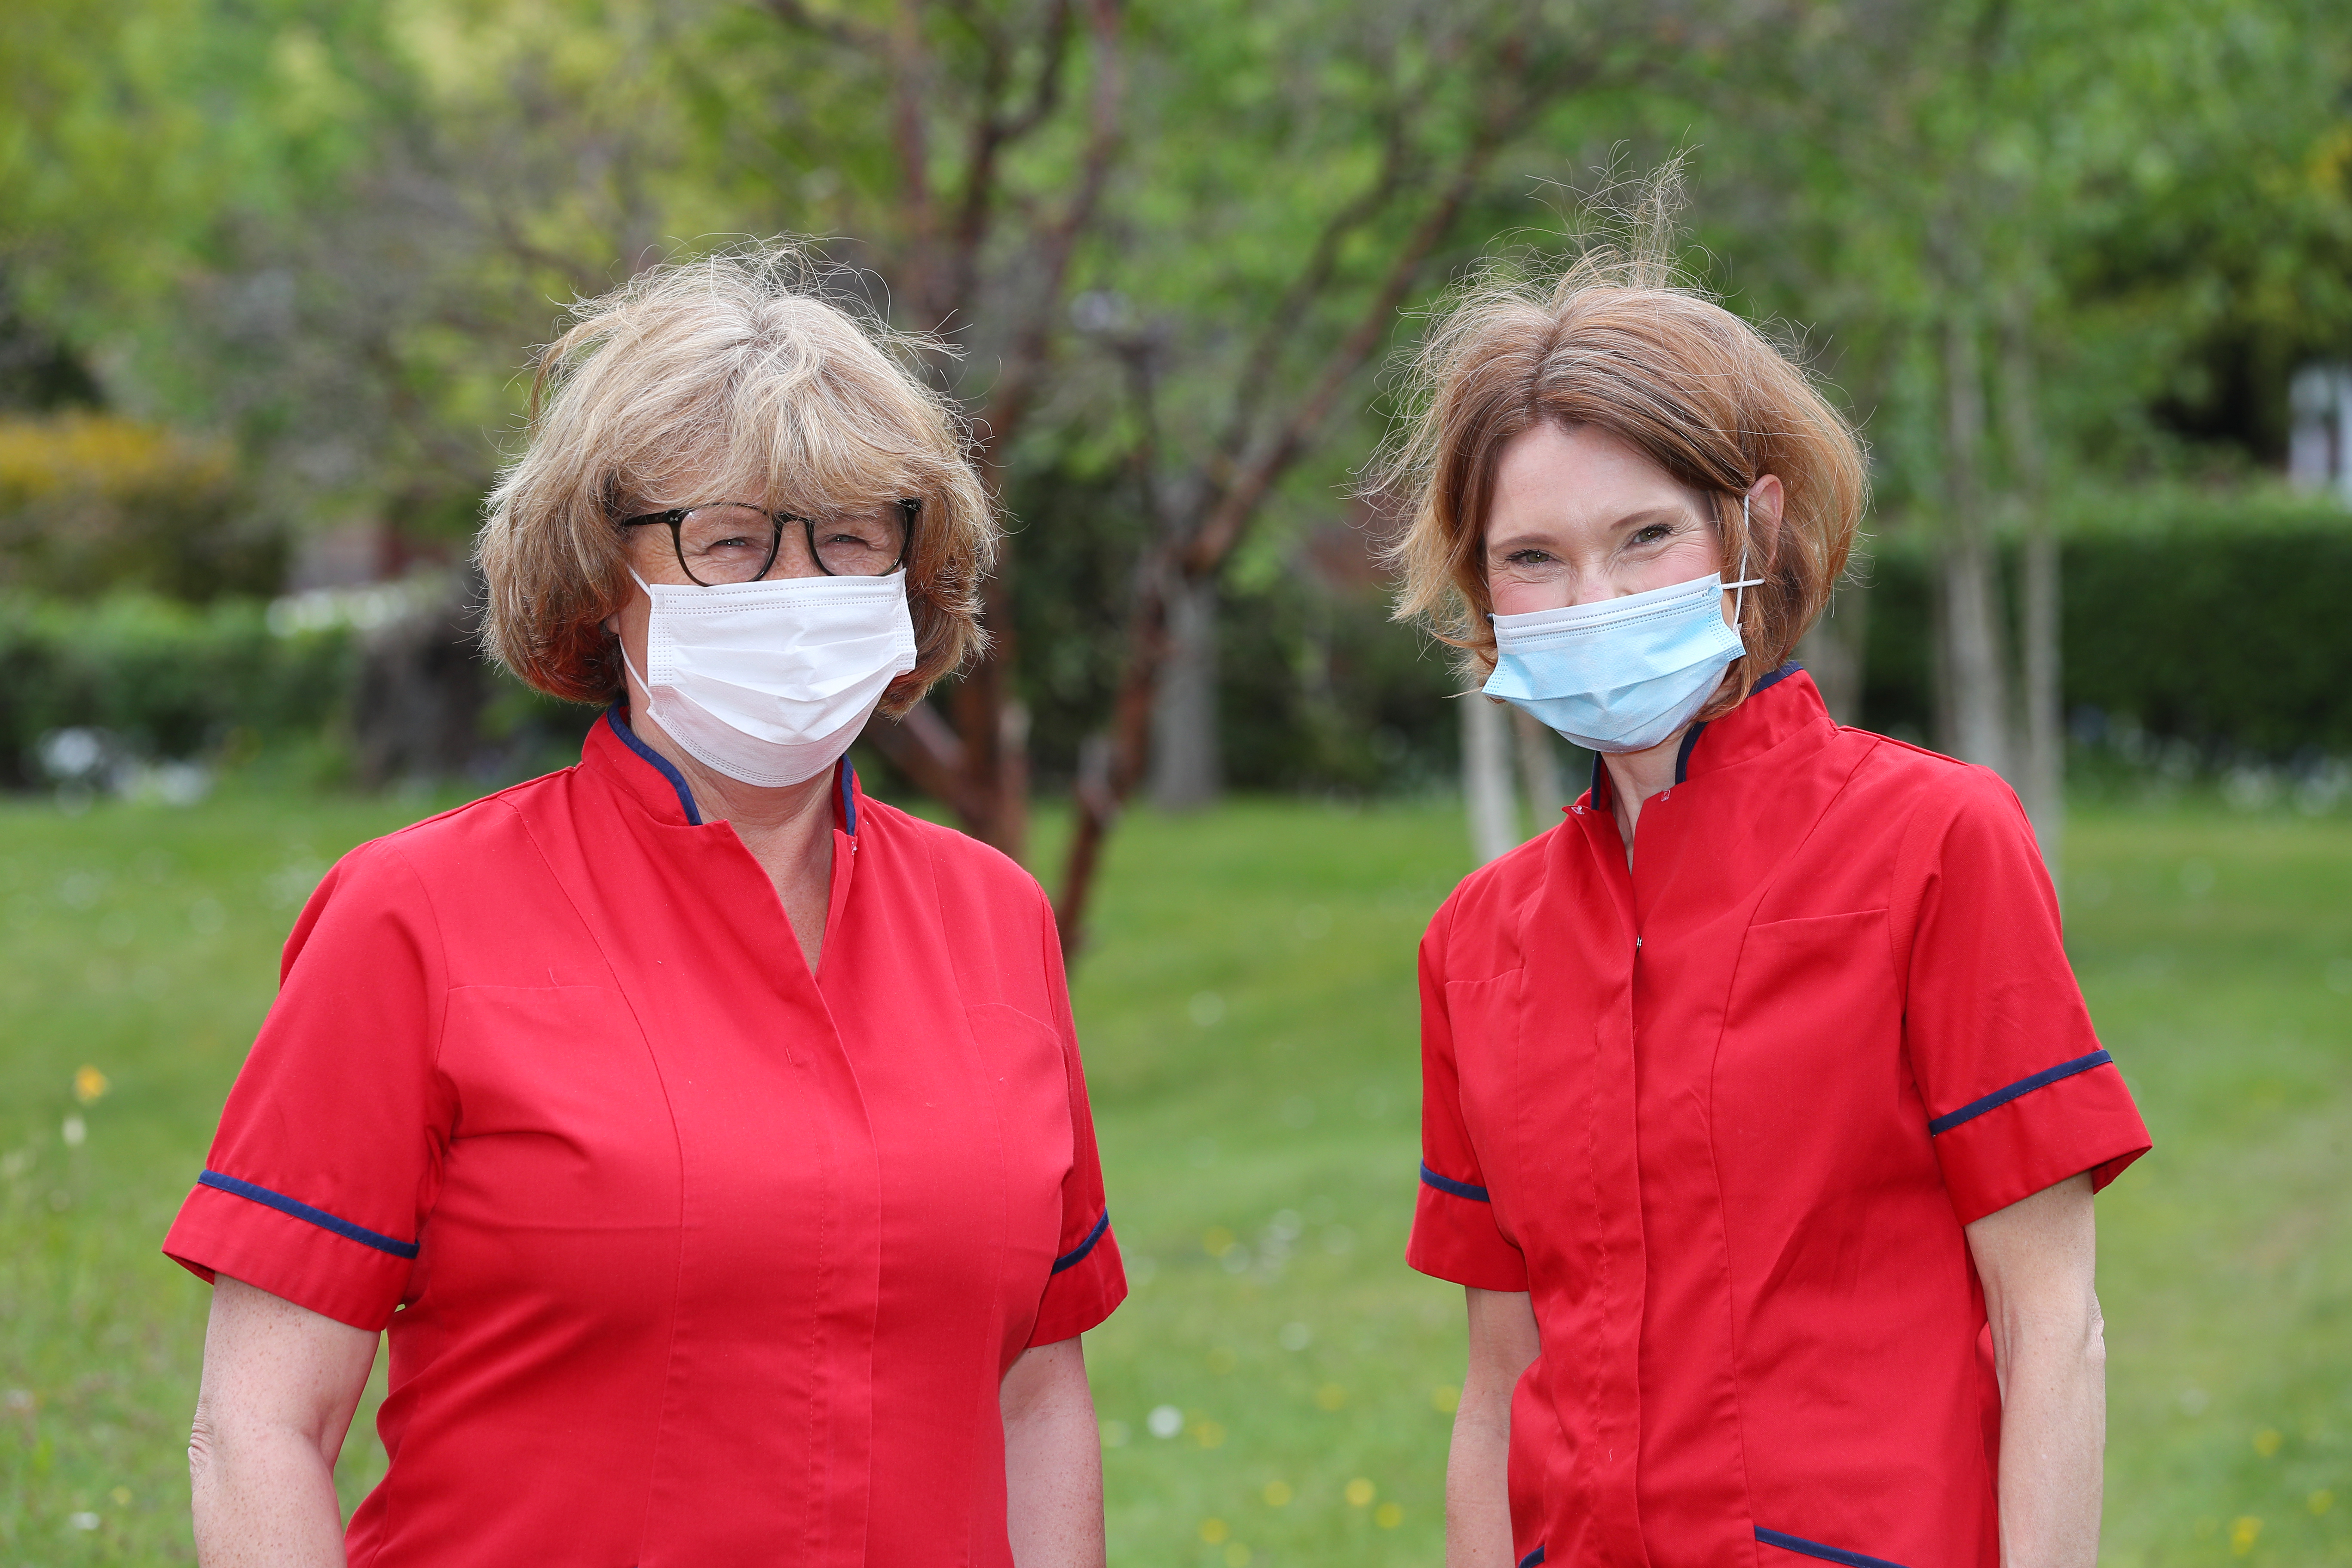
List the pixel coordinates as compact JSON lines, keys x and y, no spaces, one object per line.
{"x":723,"y":542}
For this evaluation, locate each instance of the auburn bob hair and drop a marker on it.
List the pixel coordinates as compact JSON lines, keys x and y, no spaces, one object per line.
{"x":735,"y":376}
{"x":1616,"y":342}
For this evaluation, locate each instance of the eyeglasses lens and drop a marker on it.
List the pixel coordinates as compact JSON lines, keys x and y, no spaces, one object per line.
{"x":722,"y":545}
{"x":725,"y":543}
{"x":860,"y":544}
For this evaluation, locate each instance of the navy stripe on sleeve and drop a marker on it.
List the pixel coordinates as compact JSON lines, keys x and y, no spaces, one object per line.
{"x":1532,"y":1558}
{"x":302,"y":1211}
{"x":1448,"y":1185}
{"x":1815,"y":1549}
{"x":1078,"y":1254}
{"x":2001,"y":1097}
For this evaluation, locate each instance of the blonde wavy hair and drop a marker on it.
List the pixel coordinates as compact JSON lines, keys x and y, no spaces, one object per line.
{"x":745,"y":377}
{"x":1618,"y":341}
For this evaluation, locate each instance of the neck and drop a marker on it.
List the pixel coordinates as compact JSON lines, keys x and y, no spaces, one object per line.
{"x":1635,"y":776}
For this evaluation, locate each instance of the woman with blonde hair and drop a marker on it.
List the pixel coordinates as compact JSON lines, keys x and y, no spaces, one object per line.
{"x":709,"y":1138}
{"x":1762,"y":1113}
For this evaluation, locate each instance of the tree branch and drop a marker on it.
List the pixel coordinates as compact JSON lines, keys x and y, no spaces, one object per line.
{"x":1033,"y":340}
{"x":836,"y":29}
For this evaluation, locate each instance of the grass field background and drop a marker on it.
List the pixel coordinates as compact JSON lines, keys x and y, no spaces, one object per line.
{"x":1248,"y":1008}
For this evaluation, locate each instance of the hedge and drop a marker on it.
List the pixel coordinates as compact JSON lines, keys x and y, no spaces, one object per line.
{"x":171,"y":679}
{"x":2225,"y":621}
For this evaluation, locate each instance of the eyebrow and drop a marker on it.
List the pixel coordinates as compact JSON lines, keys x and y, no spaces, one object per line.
{"x":1631,"y":520}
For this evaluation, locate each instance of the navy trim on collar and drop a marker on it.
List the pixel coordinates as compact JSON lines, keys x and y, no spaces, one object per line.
{"x":677,"y":780}
{"x":1682,"y":756}
{"x":1691,"y":735}
{"x":849,"y":777}
{"x":1533,"y":1559}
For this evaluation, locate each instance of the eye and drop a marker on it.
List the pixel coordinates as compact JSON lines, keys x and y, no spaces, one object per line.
{"x":1651,"y":533}
{"x":1531,"y":556}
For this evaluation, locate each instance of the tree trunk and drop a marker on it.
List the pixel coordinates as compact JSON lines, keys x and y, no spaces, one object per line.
{"x":2041,"y":779}
{"x":1487,"y":778}
{"x":418,"y":705}
{"x":1186,"y":770}
{"x":1831,"y":652}
{"x":1971,"y":628}
{"x":1538,"y":768}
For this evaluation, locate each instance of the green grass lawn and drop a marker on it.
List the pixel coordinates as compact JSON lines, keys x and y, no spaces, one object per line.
{"x":1248,"y":1011}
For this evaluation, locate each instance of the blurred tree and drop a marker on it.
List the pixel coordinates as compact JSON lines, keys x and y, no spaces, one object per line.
{"x":1935,"y":187}
{"x":1241,"y":328}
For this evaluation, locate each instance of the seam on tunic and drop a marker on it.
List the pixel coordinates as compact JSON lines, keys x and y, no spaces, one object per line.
{"x":2025,"y":1086}
{"x":1815,"y":1549}
{"x":1430,"y":1178}
{"x":670,"y":1109}
{"x":302,"y":1211}
{"x":1532,"y":1558}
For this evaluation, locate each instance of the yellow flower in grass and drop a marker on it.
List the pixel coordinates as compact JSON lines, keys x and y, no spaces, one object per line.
{"x":1360,"y":1492}
{"x":89,"y":1084}
{"x":2245,"y":1530}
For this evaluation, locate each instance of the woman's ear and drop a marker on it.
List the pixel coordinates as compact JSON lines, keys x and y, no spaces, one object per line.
{"x":1766,"y":500}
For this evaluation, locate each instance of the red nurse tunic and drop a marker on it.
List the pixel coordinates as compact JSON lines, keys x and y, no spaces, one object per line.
{"x":688,"y":1257}
{"x":1724,"y":1114}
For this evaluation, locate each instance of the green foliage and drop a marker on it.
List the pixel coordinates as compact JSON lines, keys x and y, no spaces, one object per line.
{"x":1248,"y":1013}
{"x":1318,"y":690}
{"x":2216,"y":619}
{"x":90,"y":503}
{"x":171,"y":679}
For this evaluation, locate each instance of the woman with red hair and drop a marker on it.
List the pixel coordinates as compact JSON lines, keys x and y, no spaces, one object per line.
{"x":1763,"y":1112}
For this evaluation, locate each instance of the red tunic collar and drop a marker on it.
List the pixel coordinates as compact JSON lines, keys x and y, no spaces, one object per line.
{"x":614,"y":754}
{"x":1783,"y":705}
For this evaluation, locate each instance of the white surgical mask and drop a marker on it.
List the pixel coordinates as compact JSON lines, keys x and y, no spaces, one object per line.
{"x":1624,"y":674}
{"x":769,"y":682}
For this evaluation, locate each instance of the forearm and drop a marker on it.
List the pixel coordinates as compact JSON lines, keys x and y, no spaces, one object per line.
{"x":1503,"y":1343}
{"x":281,"y":1383}
{"x":1052,"y":1462}
{"x":2037,"y":1258}
{"x":2052,"y":1442}
{"x":262,"y":1498}
{"x":1477,"y":1486}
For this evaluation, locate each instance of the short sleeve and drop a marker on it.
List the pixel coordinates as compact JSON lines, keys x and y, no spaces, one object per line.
{"x":328,"y":1150}
{"x":2020,"y":1094}
{"x":1088,"y":1281}
{"x":1455,"y":1236}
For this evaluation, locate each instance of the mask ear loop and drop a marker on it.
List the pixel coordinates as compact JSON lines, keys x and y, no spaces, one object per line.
{"x":1739,"y":589}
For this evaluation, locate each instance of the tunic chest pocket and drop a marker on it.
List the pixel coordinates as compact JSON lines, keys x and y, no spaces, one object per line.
{"x":559,"y":1101}
{"x":1812,"y":1029}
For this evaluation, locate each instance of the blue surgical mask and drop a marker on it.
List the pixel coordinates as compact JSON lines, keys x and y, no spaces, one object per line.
{"x":1621,"y":675}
